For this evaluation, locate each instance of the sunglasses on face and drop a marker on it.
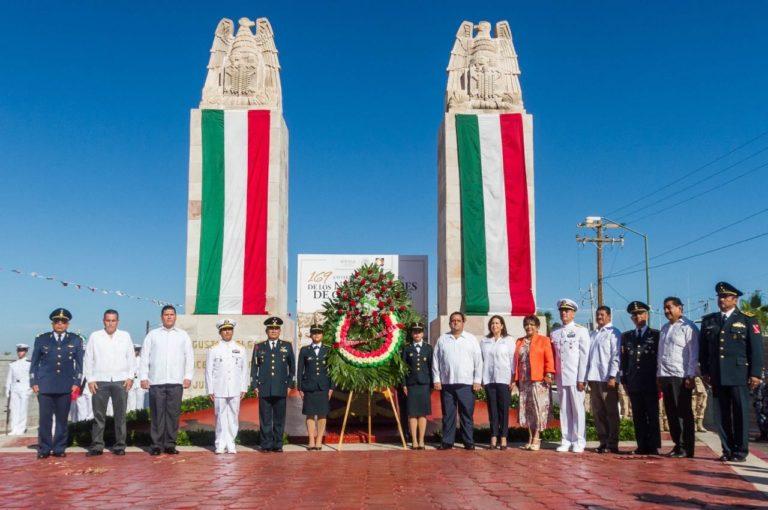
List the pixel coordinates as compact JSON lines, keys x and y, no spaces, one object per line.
{"x":60,"y":321}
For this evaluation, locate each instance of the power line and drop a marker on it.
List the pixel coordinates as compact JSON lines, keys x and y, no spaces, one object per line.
{"x":693,"y":241}
{"x":692,"y":172}
{"x":713,"y":250}
{"x":713,"y":188}
{"x":678,"y":192}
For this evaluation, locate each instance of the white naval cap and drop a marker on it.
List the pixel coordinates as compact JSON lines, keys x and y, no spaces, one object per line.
{"x":226,"y":324}
{"x":21,"y":347}
{"x":567,"y":304}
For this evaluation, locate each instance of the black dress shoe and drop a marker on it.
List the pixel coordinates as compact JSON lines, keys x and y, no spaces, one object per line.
{"x":154,"y":451}
{"x":119,"y":452}
{"x":59,"y":454}
{"x":445,"y":446}
{"x":503,"y":447}
{"x":688,"y":455}
{"x":614,"y":450}
{"x":277,"y":449}
{"x":43,"y":455}
{"x":265,"y":450}
{"x":172,"y":451}
{"x":676,"y":454}
{"x":639,"y":451}
{"x":93,"y":453}
{"x":738,"y":459}
{"x":724,"y":458}
{"x":601,"y":449}
{"x":469,"y":447}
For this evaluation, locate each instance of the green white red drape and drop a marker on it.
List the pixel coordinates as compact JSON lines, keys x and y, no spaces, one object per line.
{"x":495,"y":220}
{"x":232,"y":272}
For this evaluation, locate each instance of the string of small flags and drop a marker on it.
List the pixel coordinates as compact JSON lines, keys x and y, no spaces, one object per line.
{"x":94,"y":290}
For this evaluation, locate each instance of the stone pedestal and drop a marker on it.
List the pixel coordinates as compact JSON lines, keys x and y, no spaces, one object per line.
{"x":250,"y":330}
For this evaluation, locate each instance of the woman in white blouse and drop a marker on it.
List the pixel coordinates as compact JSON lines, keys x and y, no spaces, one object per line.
{"x":498,"y":349}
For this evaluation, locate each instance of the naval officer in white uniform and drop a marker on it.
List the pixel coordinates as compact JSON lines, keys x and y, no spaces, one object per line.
{"x":17,"y":391}
{"x":571,"y":345}
{"x":226,"y":382}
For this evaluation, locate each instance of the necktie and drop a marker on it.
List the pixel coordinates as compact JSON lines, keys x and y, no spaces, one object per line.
{"x":58,"y":337}
{"x":639,"y":334}
{"x":272,"y":345}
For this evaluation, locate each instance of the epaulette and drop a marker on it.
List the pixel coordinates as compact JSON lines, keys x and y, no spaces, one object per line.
{"x":41,"y":334}
{"x":748,"y":314}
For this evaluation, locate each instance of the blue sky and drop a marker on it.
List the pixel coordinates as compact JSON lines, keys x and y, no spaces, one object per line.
{"x":626,"y":99}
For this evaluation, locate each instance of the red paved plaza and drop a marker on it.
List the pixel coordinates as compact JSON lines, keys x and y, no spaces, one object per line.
{"x":374,"y":479}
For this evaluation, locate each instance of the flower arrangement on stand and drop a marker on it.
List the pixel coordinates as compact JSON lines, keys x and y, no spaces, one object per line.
{"x":366,"y":325}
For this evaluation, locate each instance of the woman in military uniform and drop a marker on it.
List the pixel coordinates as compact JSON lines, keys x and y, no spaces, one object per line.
{"x":418,"y":384}
{"x":314,"y":386}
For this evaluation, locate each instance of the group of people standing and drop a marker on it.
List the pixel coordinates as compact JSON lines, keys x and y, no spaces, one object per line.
{"x":726,"y":352}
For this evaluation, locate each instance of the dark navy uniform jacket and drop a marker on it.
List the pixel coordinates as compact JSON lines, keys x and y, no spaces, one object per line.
{"x":639,"y":358}
{"x":272,"y":370}
{"x":732,"y":351}
{"x":312,"y":374}
{"x":419,"y":364}
{"x":57,"y":366}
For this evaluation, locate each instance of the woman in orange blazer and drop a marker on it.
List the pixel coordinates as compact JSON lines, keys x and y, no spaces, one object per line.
{"x":534,"y":367}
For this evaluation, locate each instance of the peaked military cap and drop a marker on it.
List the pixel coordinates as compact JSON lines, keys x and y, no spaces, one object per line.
{"x":315,"y":328}
{"x":60,"y":313}
{"x":22,"y":347}
{"x":726,"y":289}
{"x":567,"y":304}
{"x":637,"y":307}
{"x":417,"y":326}
{"x":226,"y":324}
{"x":273,"y":322}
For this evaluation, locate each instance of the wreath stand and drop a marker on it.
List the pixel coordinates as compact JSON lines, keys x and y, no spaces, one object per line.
{"x":387,"y":392}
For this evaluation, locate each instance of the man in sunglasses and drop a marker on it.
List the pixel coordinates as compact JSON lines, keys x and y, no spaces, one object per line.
{"x":55,"y":375}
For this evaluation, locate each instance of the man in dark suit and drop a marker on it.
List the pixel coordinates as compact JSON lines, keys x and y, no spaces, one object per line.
{"x":731,"y":357}
{"x":55,"y":373}
{"x":639,"y":348}
{"x":272,"y":371}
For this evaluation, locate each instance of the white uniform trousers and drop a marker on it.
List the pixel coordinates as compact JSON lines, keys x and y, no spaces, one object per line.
{"x":82,"y":408}
{"x":572,"y":417}
{"x":136,"y":398}
{"x":19,"y":401}
{"x":227,"y":411}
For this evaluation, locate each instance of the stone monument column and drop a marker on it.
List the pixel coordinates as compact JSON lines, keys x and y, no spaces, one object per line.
{"x":237,"y":226}
{"x":486,"y":223}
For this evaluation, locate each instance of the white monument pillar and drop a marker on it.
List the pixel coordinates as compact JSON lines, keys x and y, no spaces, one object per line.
{"x":237,"y":226}
{"x":486,"y":223}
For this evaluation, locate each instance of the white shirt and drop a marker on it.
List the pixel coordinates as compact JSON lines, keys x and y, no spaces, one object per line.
{"x":498,"y":359}
{"x":457,"y":360}
{"x":226,"y":370}
{"x":167,"y":356}
{"x":678,"y":349}
{"x":18,"y":377}
{"x":571,"y":348}
{"x":108,"y":358}
{"x":604,"y":352}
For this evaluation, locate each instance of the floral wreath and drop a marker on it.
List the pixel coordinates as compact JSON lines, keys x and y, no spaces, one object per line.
{"x":366,"y":326}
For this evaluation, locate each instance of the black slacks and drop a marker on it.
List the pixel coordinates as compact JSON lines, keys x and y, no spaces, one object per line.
{"x":499,"y":398}
{"x":732,"y":419}
{"x":53,"y":404}
{"x":645,"y":417}
{"x":271,"y":422}
{"x":164,"y":411}
{"x":677,"y":405}
{"x":461,"y":396}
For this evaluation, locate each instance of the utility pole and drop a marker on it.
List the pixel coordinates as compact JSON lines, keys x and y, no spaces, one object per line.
{"x":591,"y":307}
{"x":599,"y":240}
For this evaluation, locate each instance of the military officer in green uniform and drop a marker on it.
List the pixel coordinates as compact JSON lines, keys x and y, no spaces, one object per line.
{"x":731,"y":358}
{"x":272,"y":370}
{"x":54,"y":375}
{"x":314,"y":385}
{"x":418,"y":384}
{"x":639,"y":348}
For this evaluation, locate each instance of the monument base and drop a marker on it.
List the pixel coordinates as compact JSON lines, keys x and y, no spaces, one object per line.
{"x":249,"y":331}
{"x":478,"y":326}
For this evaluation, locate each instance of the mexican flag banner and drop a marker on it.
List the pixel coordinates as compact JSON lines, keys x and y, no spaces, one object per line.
{"x":495,"y":221}
{"x":232,"y":272}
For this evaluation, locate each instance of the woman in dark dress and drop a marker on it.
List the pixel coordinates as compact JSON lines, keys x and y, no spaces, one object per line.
{"x":418,"y":384}
{"x":314,"y":386}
